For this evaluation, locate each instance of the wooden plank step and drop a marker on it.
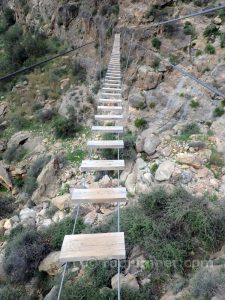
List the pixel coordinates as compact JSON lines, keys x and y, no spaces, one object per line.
{"x":110,"y":101}
{"x":110,"y":108}
{"x":107,"y":129}
{"x":112,"y":81}
{"x":101,"y":195}
{"x":102,"y":165}
{"x":111,"y":94}
{"x":112,"y":84}
{"x":105,"y":144}
{"x":95,"y":246}
{"x":116,"y":73}
{"x":112,"y":75}
{"x":111,"y":89}
{"x":108,"y":117}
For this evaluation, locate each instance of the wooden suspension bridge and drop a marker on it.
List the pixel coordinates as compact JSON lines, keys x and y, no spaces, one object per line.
{"x":102,"y":246}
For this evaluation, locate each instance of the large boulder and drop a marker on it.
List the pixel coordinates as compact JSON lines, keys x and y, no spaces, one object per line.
{"x":4,"y":178}
{"x":3,"y":107}
{"x":51,"y":263}
{"x":27,"y":213}
{"x":47,"y":183}
{"x":165,"y":170}
{"x":189,"y":159}
{"x":140,"y":180}
{"x":147,"y":142}
{"x":218,"y":129}
{"x":147,"y":78}
{"x":30,"y":143}
{"x":129,"y":281}
{"x":218,"y":75}
{"x":19,"y":138}
{"x":136,"y":101}
{"x":62,"y":202}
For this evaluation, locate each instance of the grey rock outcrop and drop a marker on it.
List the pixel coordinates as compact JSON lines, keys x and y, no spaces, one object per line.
{"x":147,"y":142}
{"x":47,"y":183}
{"x":4,"y":178}
{"x":164,"y":170}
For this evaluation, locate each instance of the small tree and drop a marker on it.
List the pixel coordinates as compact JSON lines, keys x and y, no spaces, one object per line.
{"x":156,"y":43}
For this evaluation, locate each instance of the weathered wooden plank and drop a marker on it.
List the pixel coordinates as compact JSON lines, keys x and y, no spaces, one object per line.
{"x":95,"y":246}
{"x":108,"y":117}
{"x":112,"y":101}
{"x":102,"y":165}
{"x":106,"y":144}
{"x":101,"y":195}
{"x":110,"y":108}
{"x":107,"y":129}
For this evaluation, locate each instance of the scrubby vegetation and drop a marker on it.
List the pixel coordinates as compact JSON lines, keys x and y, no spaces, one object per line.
{"x":140,"y":122}
{"x":173,"y":227}
{"x":23,"y":255}
{"x":188,"y":130}
{"x":27,"y":247}
{"x":21,"y":47}
{"x":8,"y":206}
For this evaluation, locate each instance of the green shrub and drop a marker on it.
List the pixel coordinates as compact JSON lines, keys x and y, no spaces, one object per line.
{"x":198,"y":52}
{"x":79,"y":72}
{"x":109,"y":32}
{"x":207,"y":283}
{"x":154,"y":168}
{"x":222,"y":40}
{"x":169,"y":226}
{"x":218,"y":111}
{"x":188,"y":130}
{"x":9,"y":16}
{"x":90,"y":99}
{"x":211,"y":31}
{"x":14,"y":154}
{"x":55,"y":232}
{"x":174,"y":59}
{"x":96,"y":88}
{"x":116,"y":9}
{"x":215,"y":159}
{"x":141,"y":105}
{"x":66,"y":128}
{"x":76,"y":156}
{"x":30,"y":185}
{"x":8,"y":206}
{"x":222,"y":14}
{"x":9,"y":292}
{"x":154,"y":11}
{"x":189,"y":29}
{"x":209,"y":49}
{"x":194,"y":104}
{"x":129,"y":152}
{"x":155,"y":64}
{"x":152,"y":105}
{"x":156,"y":43}
{"x":140,"y":122}
{"x":19,"y":122}
{"x":170,"y":29}
{"x":23,"y":255}
{"x":80,"y":288}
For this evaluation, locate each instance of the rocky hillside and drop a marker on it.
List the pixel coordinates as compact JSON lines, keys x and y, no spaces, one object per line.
{"x":174,"y":148}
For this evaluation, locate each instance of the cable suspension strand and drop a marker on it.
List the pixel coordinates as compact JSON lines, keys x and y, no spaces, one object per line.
{"x":66,"y":264}
{"x":128,"y":57}
{"x":43,"y":62}
{"x":203,"y":12}
{"x":185,"y":73}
